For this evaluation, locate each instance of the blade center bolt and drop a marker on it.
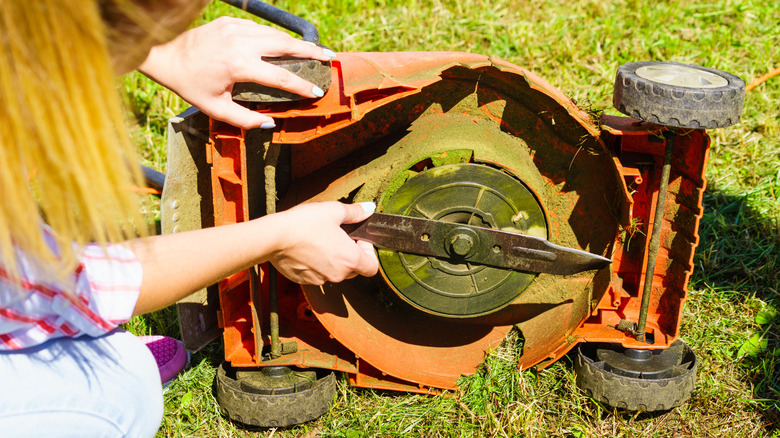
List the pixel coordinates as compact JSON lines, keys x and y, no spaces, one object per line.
{"x":461,"y":242}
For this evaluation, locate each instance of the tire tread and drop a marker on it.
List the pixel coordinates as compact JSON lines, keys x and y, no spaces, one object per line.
{"x":633,"y":394}
{"x":682,"y":107}
{"x":272,"y":410}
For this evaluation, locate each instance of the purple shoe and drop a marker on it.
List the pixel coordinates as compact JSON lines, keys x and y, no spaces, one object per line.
{"x":170,"y":355}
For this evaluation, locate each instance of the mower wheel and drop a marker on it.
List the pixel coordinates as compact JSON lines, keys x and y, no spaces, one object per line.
{"x":678,"y":95}
{"x":314,"y":71}
{"x":277,"y":399}
{"x":636,"y":380}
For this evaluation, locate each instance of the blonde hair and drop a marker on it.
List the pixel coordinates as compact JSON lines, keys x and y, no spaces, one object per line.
{"x":67,"y":159}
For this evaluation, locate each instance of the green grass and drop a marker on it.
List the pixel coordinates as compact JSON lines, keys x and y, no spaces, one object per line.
{"x":576,"y":46}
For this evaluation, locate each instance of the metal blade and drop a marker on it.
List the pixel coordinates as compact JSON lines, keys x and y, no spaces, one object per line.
{"x":462,"y":243}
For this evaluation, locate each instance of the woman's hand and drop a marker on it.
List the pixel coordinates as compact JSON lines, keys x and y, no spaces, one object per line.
{"x":202,"y":65}
{"x":314,"y":249}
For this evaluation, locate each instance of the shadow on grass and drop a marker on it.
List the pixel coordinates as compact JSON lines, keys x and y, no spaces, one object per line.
{"x":739,"y":258}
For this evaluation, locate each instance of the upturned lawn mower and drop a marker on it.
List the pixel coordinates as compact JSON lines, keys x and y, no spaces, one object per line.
{"x":503,"y":207}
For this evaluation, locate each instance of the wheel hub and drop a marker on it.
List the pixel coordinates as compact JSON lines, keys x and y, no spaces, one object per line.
{"x":275,"y":380}
{"x":681,"y":76}
{"x":644,"y":364}
{"x":472,"y":194}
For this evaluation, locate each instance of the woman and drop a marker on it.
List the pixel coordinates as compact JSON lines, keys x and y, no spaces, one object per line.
{"x":71,"y":266}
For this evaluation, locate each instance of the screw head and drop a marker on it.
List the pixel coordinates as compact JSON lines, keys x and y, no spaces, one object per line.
{"x":461,"y":244}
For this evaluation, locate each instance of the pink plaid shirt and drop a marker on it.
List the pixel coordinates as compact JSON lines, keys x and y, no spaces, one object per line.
{"x":102,"y":294}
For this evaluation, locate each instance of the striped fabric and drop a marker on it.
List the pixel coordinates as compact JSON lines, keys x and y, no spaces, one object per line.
{"x":95,"y":299}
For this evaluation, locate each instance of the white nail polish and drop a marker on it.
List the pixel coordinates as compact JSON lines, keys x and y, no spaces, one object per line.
{"x":329,"y":53}
{"x":369,"y":207}
{"x":268,"y":125}
{"x":317,"y":91}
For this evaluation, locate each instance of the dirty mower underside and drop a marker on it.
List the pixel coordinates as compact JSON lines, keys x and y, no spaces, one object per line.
{"x":454,"y":137}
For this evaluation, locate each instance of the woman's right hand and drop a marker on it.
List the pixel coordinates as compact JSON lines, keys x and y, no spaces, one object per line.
{"x":314,"y":249}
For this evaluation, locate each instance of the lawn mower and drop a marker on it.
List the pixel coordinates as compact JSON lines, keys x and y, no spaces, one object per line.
{"x":502,"y":207}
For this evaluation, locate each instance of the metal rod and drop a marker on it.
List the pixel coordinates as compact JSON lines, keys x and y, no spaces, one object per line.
{"x":273,"y":304}
{"x":269,"y":172}
{"x":655,"y":238}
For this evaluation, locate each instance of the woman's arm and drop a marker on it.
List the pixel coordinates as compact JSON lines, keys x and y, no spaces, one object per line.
{"x":306,"y":244}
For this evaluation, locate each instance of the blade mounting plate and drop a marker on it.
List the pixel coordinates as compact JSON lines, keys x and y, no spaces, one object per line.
{"x":472,"y":195}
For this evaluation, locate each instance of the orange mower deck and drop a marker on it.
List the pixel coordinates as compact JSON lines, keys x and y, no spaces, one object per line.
{"x":391,"y":114}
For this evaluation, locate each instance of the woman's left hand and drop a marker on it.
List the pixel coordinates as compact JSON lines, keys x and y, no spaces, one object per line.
{"x":202,"y":65}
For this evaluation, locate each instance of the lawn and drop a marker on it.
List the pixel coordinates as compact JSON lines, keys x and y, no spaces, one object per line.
{"x":731,"y":318}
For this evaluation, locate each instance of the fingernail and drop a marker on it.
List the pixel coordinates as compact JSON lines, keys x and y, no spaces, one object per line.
{"x":317,"y":91}
{"x":369,"y":207}
{"x":268,"y":125}
{"x":329,"y":53}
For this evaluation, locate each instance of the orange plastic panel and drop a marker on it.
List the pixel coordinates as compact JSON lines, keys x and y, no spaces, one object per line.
{"x":416,"y":356}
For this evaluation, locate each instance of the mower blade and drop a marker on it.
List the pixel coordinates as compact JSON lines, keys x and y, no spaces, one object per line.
{"x":461,"y":243}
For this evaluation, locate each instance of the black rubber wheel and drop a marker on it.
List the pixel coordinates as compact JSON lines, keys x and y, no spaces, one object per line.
{"x":678,"y":95}
{"x":314,"y":71}
{"x":239,"y":402}
{"x":636,"y":380}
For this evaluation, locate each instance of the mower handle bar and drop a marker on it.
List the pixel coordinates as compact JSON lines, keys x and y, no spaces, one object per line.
{"x":279,"y":17}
